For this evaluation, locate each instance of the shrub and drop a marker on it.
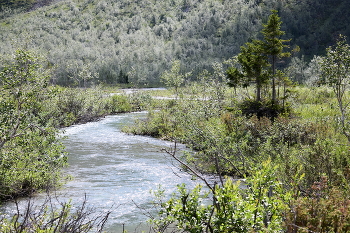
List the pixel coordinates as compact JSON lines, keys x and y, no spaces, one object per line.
{"x":257,"y":208}
{"x":264,"y":109}
{"x":30,"y":153}
{"x":140,"y":101}
{"x":53,"y":216}
{"x":323,"y":209}
{"x":119,"y":103}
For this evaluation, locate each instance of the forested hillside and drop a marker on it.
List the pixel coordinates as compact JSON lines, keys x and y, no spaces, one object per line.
{"x":106,"y":41}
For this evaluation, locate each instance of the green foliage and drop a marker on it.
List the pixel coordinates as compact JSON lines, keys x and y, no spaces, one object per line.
{"x":273,"y":46}
{"x":195,"y":105}
{"x":257,"y":208}
{"x":119,"y":104}
{"x":30,"y":152}
{"x":336,"y":70}
{"x":302,"y":148}
{"x":314,"y":96}
{"x":253,"y":63}
{"x":234,"y":77}
{"x":69,"y":106}
{"x":232,"y":143}
{"x":336,"y":66}
{"x":173,"y":78}
{"x":255,"y":60}
{"x":102,"y":35}
{"x":158,"y":124}
{"x":98,"y":45}
{"x":140,"y":101}
{"x":305,"y":153}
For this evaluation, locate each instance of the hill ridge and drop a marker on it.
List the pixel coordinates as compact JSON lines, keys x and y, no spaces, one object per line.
{"x":139,"y":39}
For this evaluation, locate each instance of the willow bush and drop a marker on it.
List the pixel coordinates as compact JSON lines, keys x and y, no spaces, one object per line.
{"x":31,"y":154}
{"x":259,"y":207}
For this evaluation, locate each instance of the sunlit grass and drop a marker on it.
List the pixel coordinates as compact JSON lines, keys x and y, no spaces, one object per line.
{"x":313,"y":95}
{"x":161,"y":92}
{"x":316,"y":111}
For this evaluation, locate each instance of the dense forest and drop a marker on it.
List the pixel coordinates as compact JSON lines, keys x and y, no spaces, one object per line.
{"x":90,"y":42}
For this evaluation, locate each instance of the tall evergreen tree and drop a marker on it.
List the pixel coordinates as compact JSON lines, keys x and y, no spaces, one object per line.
{"x":273,"y":45}
{"x":258,"y":55}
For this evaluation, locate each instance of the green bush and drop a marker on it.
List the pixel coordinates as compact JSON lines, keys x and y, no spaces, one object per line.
{"x":140,"y":101}
{"x":158,"y":124}
{"x":30,"y":153}
{"x":259,"y":207}
{"x":119,"y":103}
{"x":70,"y":106}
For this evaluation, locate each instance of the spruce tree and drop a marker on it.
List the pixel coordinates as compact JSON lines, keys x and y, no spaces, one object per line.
{"x":273,"y":45}
{"x":254,"y":64}
{"x":253,"y":67}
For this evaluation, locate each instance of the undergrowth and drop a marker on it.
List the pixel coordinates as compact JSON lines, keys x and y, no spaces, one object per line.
{"x":303,"y":142}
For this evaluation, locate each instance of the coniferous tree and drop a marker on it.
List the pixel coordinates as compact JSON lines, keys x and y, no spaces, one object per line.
{"x":253,"y":64}
{"x":258,"y":55}
{"x":253,"y":67}
{"x":273,"y":46}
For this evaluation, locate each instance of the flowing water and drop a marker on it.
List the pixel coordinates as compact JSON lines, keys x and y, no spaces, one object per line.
{"x":116,"y":171}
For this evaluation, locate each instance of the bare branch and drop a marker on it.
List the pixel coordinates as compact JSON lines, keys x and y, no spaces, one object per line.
{"x":172,"y":154}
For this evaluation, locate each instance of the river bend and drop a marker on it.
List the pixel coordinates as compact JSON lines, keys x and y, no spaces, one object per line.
{"x":116,"y":170}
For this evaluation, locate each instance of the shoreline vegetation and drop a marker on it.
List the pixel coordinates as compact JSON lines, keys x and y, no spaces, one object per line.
{"x":291,"y":146}
{"x":31,"y":153}
{"x":297,"y":165}
{"x":242,"y":118}
{"x":303,"y":155}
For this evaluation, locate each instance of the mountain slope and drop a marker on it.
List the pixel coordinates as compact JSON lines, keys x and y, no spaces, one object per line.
{"x":107,"y":39}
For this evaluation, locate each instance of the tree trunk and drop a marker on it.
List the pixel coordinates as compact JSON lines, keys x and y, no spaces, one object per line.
{"x":273,"y":80}
{"x":258,"y":90}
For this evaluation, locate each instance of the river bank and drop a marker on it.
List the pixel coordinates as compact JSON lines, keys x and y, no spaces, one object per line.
{"x":116,"y":171}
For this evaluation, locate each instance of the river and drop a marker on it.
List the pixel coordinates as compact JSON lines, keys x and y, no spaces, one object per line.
{"x":116,"y":171}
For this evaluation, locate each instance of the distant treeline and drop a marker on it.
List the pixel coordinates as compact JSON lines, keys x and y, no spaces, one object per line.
{"x":24,"y":4}
{"x":105,"y":41}
{"x":17,"y":3}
